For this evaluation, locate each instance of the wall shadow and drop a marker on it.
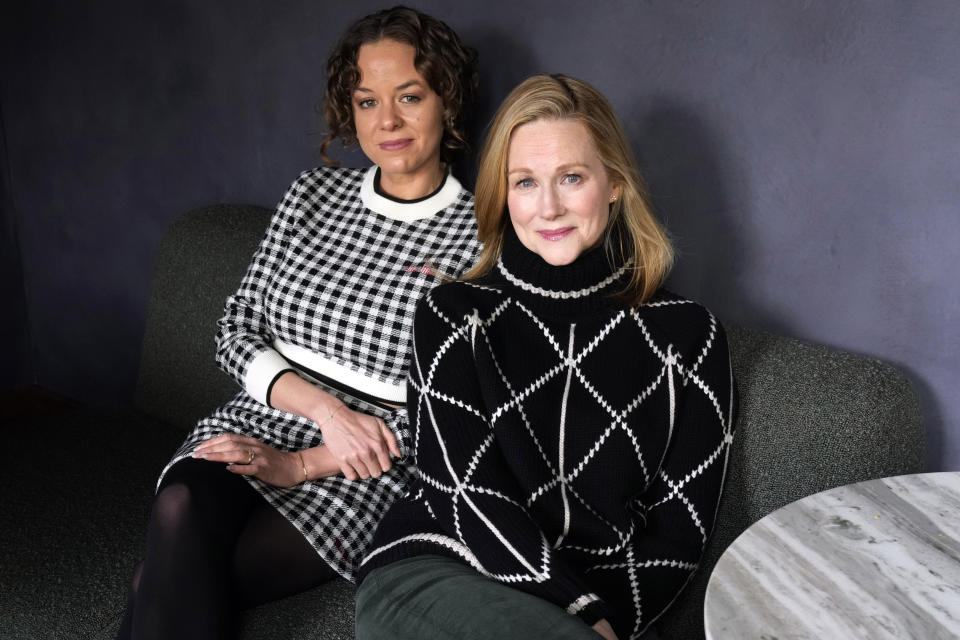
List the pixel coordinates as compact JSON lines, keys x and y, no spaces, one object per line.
{"x":701,"y":197}
{"x":18,"y":369}
{"x":936,"y":458}
{"x":504,"y":62}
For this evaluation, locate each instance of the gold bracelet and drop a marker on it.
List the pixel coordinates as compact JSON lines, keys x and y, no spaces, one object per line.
{"x":302,"y":464}
{"x":330,"y":417}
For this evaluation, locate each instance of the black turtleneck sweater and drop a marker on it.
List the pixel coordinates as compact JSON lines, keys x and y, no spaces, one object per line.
{"x":567,"y":445}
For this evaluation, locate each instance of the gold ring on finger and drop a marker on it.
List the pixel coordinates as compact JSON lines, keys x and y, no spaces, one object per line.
{"x":252,"y":456}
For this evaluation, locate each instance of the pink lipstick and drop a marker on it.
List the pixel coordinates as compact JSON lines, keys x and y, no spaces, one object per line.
{"x":395,"y":145}
{"x":555,"y":234}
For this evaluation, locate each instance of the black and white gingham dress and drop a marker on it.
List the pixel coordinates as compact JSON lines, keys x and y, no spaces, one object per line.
{"x":331,"y":292}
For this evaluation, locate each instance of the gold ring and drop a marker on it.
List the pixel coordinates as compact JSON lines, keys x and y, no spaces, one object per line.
{"x":252,"y":456}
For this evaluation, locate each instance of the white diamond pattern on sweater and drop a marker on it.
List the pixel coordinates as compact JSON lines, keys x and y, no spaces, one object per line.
{"x":518,"y":455}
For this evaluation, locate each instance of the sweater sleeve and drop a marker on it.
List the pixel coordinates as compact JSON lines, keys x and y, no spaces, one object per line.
{"x":244,"y":337}
{"x":467,"y":484}
{"x":678,"y":508}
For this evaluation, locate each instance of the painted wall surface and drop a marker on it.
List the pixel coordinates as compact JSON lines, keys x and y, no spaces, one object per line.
{"x":804,"y":154}
{"x":16,"y":366}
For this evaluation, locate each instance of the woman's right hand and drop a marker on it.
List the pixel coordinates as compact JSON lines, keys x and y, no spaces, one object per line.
{"x":360,"y":443}
{"x":604,"y":629}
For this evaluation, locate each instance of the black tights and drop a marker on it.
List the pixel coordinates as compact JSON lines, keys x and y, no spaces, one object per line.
{"x":214,"y":547}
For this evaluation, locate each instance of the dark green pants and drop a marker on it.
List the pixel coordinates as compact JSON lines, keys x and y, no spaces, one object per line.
{"x":437,"y":598}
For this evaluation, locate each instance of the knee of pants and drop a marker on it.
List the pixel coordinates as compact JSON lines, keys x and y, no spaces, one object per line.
{"x":399,"y":601}
{"x":440,"y":598}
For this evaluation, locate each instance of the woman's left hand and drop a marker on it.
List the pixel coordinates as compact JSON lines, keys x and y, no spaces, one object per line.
{"x":250,"y":457}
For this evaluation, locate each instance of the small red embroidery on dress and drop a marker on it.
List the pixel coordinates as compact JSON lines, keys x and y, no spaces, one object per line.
{"x":424,"y":269}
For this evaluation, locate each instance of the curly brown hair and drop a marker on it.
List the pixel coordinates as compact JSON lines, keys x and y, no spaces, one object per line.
{"x":448,"y":66}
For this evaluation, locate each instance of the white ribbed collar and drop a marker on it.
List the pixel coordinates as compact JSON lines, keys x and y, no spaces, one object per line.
{"x":563,"y":295}
{"x":407,"y":211}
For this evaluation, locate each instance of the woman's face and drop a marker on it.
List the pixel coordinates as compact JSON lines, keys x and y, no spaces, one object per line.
{"x":558,"y":192}
{"x":399,"y":119}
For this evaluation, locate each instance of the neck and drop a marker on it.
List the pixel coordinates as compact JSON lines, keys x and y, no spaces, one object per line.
{"x":586,"y":285}
{"x":405,"y":186}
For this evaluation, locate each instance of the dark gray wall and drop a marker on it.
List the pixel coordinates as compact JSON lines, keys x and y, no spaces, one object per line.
{"x":804,"y":154}
{"x":16,"y":369}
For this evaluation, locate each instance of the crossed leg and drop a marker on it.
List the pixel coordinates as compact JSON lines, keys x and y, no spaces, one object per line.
{"x":214,"y":546}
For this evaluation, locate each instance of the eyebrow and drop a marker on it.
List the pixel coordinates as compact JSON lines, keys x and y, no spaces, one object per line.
{"x":560,"y":169}
{"x":406,"y":85}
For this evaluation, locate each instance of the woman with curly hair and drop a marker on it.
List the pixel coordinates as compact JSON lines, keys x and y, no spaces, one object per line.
{"x":280,"y":489}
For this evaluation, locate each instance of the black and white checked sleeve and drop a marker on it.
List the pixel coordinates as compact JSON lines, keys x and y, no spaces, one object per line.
{"x":244,"y":338}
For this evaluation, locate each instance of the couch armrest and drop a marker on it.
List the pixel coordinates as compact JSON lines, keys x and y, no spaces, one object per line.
{"x":810,"y":418}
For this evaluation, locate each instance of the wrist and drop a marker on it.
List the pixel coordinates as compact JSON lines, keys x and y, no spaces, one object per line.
{"x":303,"y":466}
{"x":319,"y":462}
{"x":325,"y":413}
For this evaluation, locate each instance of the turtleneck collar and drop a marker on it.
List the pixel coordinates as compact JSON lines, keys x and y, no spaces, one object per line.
{"x":583,"y":286}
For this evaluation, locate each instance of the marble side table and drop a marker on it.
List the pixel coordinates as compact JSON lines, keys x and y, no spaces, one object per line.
{"x":876,"y":559}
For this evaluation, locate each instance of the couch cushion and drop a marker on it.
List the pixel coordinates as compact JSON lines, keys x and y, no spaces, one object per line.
{"x":324,"y":613}
{"x":202,"y":258}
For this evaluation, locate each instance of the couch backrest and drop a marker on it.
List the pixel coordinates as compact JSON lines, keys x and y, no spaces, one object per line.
{"x":810,"y":417}
{"x":201,"y":260}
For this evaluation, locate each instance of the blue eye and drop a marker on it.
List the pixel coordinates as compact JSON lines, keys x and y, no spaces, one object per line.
{"x":408,"y":99}
{"x":366,"y":103}
{"x":525,"y":183}
{"x":572,"y":178}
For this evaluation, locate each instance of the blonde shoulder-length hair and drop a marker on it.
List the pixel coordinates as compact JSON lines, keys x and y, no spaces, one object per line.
{"x":559,"y":97}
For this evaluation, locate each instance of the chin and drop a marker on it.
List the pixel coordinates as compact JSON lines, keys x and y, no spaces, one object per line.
{"x":394,"y":165}
{"x":558,"y":259}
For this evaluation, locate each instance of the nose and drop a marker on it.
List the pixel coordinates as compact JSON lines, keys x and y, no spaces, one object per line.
{"x":550,"y":205}
{"x":390,"y":117}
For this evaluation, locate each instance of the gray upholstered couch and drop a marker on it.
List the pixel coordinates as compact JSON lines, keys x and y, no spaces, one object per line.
{"x":75,"y":487}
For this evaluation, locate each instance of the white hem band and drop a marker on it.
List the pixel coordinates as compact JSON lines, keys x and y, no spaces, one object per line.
{"x":301,"y":357}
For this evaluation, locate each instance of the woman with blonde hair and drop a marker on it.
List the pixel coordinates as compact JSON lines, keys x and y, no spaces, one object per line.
{"x":571,"y":418}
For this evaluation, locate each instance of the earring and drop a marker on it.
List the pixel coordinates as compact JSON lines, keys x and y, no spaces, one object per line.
{"x":613,"y":198}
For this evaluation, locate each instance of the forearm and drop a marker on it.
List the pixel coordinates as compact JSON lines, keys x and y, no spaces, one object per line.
{"x":319,"y":462}
{"x":360,"y":444}
{"x":293,"y":394}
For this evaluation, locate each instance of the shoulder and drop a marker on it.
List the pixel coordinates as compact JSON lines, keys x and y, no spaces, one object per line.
{"x":459,"y":212}
{"x":452,"y":302}
{"x":328,"y":180}
{"x":685,"y":324}
{"x":319,"y":188}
